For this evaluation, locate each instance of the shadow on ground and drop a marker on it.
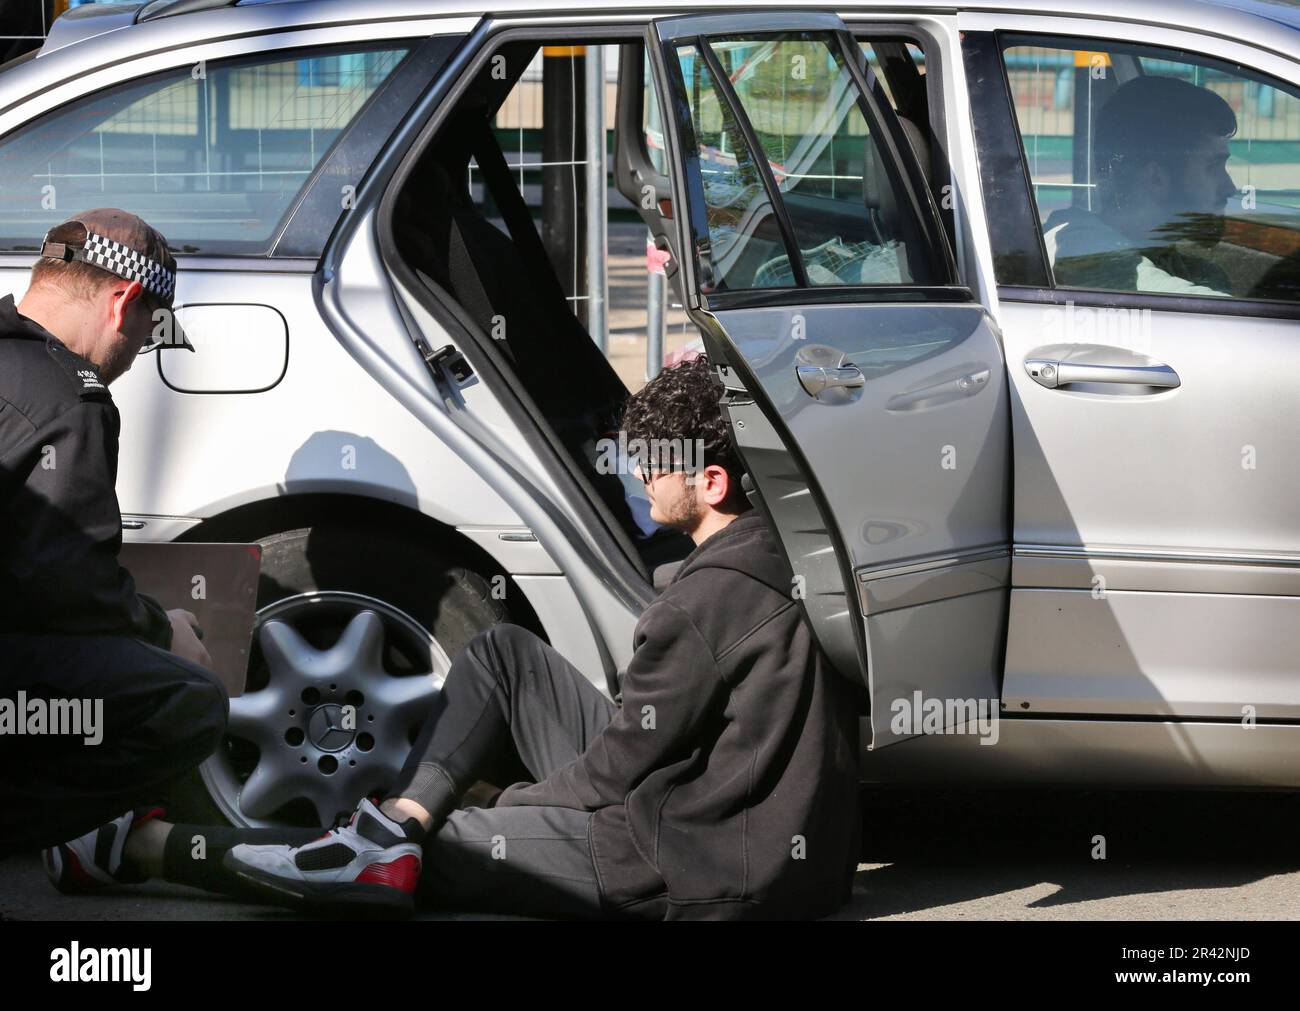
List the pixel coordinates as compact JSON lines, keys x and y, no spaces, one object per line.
{"x":951,"y":853}
{"x":1005,"y":854}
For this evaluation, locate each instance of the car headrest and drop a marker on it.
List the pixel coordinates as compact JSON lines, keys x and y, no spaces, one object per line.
{"x":920,"y":145}
{"x":875,"y":180}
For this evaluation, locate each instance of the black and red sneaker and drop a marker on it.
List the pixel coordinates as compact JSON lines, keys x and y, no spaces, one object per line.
{"x":94,"y":860}
{"x":371,"y":863}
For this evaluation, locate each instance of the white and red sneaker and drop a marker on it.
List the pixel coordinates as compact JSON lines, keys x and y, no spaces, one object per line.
{"x":371,"y":863}
{"x":94,"y":860}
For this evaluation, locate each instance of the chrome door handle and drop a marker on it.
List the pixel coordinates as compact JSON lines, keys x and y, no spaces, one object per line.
{"x":816,"y":379}
{"x":1056,"y":373}
{"x":967,"y":385}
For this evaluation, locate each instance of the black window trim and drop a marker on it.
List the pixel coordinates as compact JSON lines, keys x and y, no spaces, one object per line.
{"x":830,"y":294}
{"x":1205,"y":305}
{"x":406,"y":83}
{"x":1009,"y":211}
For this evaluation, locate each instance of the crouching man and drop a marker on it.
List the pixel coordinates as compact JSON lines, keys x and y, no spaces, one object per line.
{"x":75,"y":636}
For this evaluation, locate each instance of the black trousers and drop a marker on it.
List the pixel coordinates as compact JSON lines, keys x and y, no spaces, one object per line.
{"x":509,"y":698}
{"x":160,"y":717}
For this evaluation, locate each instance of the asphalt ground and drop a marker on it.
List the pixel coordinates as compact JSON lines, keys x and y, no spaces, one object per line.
{"x":940,"y":855}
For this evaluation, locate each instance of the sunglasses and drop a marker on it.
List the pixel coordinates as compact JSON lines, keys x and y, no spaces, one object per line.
{"x":648,"y":473}
{"x":155,"y":345}
{"x":162,"y":342}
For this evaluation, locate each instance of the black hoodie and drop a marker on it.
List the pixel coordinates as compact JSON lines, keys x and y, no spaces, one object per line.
{"x":60,"y":529}
{"x":728,"y":778}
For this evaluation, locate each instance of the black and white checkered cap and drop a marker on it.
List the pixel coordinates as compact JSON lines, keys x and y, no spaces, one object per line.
{"x":119,"y":242}
{"x":126,"y":246}
{"x":128,"y":264}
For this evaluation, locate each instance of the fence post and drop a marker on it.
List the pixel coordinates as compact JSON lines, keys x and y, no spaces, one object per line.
{"x":656,"y":308}
{"x":597,"y":199}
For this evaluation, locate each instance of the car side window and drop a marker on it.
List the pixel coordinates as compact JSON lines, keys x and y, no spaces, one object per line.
{"x":1156,"y":170}
{"x":651,"y":121}
{"x":846,"y":208}
{"x":744,"y":233}
{"x":213,"y":154}
{"x":900,"y":69}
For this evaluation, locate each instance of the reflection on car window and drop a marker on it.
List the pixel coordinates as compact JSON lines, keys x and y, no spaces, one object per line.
{"x":213,"y":156}
{"x":871,"y":51}
{"x":851,"y":219}
{"x":1160,"y":171}
{"x":651,"y":125}
{"x":744,"y":234}
{"x":804,"y":107}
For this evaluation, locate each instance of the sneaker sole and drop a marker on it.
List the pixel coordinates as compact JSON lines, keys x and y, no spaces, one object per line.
{"x":378,"y":899}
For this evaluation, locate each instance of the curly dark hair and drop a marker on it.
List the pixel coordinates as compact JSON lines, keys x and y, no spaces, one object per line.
{"x":682,"y":404}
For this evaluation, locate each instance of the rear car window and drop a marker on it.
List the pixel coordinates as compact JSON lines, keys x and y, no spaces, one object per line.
{"x":212,"y":155}
{"x":850,"y":218}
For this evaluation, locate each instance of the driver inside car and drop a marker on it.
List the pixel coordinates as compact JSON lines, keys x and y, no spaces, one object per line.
{"x":1160,"y":152}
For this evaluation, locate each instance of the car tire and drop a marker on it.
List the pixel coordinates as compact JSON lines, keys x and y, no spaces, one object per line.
{"x":403,"y":570}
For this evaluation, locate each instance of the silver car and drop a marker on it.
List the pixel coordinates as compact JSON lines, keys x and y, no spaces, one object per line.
{"x":1003,"y":301}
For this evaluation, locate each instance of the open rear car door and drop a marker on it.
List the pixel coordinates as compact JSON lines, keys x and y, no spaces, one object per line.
{"x":865,"y":388}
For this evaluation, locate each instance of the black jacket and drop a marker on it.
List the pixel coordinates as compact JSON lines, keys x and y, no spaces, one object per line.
{"x":60,"y":528}
{"x":729,"y":776}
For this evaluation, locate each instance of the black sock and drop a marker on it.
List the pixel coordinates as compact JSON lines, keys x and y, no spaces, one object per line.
{"x":412,"y":829}
{"x":376,"y":831}
{"x":194,"y":854}
{"x":432,"y":787}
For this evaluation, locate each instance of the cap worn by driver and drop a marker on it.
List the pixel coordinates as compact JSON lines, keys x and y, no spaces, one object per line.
{"x":127,"y":247}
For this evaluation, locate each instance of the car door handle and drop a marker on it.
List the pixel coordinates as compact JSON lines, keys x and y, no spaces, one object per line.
{"x":1057,"y":373}
{"x":816,"y":379}
{"x":951,"y":389}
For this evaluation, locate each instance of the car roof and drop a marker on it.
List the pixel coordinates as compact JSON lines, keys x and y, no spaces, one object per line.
{"x":97,"y":34}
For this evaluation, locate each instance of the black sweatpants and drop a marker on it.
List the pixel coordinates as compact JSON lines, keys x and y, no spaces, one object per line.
{"x":161,"y":716}
{"x":510,"y":707}
{"x":509,"y":698}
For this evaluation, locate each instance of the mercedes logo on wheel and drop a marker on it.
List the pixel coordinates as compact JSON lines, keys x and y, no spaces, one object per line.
{"x":325,"y":728}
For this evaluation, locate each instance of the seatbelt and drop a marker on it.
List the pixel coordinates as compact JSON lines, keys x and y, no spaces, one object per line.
{"x":518,"y":219}
{"x":524,"y":234}
{"x":451,"y":252}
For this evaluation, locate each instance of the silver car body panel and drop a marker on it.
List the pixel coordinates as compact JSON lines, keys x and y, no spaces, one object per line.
{"x":1081,"y":752}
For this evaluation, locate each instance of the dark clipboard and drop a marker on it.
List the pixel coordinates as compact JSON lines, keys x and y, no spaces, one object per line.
{"x":227,"y":601}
